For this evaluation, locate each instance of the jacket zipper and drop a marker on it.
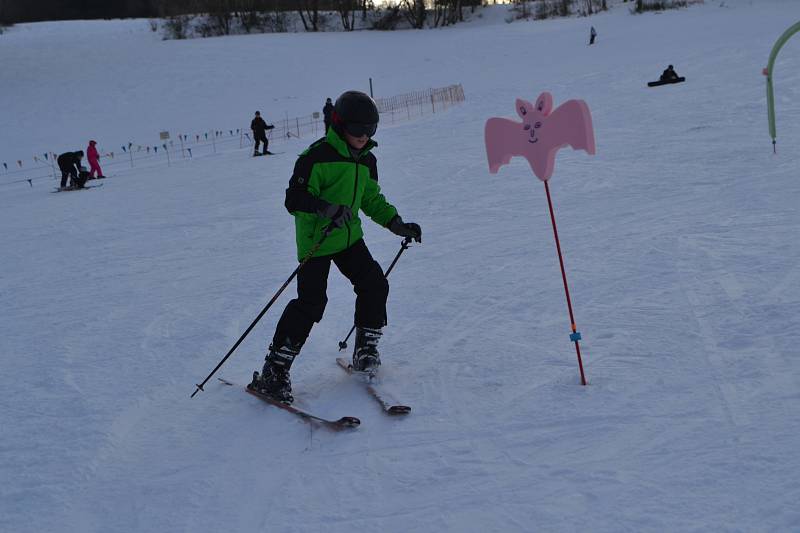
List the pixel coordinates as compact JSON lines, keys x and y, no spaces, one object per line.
{"x":353,"y":203}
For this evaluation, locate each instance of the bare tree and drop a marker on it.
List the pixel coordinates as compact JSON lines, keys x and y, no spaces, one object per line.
{"x":247,"y":14}
{"x":347,"y":12}
{"x":415,"y":13}
{"x":220,"y":17}
{"x":447,"y":12}
{"x":309,"y":9}
{"x":521,"y":7}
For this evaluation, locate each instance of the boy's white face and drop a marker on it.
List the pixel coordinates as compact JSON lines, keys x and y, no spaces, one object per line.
{"x":356,"y":142}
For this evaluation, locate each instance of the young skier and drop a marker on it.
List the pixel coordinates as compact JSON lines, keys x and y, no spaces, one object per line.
{"x":334,"y":179}
{"x":94,"y":161}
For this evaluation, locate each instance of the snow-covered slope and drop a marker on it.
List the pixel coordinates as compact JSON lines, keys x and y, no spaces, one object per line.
{"x":680,"y":245}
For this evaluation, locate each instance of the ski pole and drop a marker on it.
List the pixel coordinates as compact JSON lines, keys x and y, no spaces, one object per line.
{"x":305,"y":259}
{"x":403,"y":247}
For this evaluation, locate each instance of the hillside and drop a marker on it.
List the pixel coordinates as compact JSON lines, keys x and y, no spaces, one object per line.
{"x":679,"y":239}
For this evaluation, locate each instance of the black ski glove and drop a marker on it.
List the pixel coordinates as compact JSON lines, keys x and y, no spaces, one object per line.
{"x":405,"y":229}
{"x":339,"y":214}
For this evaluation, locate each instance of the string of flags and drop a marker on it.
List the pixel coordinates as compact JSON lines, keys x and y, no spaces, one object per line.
{"x":48,"y":157}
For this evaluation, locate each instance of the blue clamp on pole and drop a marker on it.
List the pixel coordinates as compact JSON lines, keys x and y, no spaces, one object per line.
{"x":575,"y":337}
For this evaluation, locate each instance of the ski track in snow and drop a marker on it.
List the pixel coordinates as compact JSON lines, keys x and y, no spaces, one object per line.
{"x":680,"y":246}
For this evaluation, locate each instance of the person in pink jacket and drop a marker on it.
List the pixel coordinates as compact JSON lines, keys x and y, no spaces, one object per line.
{"x":94,"y":158}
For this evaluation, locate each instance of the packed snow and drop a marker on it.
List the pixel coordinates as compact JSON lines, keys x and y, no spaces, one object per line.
{"x":679,"y":239}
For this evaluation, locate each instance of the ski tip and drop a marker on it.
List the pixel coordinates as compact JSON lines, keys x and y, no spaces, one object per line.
{"x":344,"y":364}
{"x":399,"y":410}
{"x":348,"y":422}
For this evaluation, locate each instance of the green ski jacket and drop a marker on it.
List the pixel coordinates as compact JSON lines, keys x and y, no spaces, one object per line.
{"x":328,"y":172}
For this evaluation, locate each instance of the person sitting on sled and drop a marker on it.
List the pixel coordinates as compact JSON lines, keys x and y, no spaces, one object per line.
{"x":669,"y":74}
{"x":334,"y":179}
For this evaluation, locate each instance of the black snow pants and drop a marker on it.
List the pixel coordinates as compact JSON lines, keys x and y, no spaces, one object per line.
{"x":261,"y":137}
{"x":68,"y":172}
{"x":369,"y":284}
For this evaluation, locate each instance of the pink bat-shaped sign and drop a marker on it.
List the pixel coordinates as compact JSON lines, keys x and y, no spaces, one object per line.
{"x":540,"y":134}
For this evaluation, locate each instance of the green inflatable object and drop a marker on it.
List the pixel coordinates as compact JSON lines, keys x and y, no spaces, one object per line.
{"x":768,"y":73}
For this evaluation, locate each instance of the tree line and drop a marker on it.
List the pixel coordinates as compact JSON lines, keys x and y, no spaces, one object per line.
{"x":415,"y":11}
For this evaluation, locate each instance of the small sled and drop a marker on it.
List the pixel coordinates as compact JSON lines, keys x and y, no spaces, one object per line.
{"x":665,"y":82}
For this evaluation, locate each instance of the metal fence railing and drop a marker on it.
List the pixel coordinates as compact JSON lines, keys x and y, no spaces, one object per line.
{"x":394,"y":109}
{"x":421,"y":102}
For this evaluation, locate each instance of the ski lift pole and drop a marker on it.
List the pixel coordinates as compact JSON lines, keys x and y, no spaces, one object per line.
{"x":403,"y":246}
{"x":575,"y":336}
{"x":768,"y":73}
{"x":305,"y":260}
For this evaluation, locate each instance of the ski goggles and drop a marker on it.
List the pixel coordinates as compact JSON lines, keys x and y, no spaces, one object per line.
{"x":359,"y":130}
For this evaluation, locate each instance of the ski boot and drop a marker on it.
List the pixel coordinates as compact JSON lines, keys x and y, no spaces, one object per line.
{"x":274,"y":378}
{"x":365,"y":354}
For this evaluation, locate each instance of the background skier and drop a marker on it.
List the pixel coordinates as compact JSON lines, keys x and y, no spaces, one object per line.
{"x":94,"y":161}
{"x":260,"y":128}
{"x":334,"y":179}
{"x":592,"y":35}
{"x":70,"y":165}
{"x":327,"y":113}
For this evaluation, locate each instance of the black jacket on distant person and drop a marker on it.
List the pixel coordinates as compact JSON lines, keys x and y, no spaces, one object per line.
{"x":327,"y":113}
{"x":70,"y":162}
{"x":669,"y":74}
{"x":258,"y":126}
{"x":70,"y":165}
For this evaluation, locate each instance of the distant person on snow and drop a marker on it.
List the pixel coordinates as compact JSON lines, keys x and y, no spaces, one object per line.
{"x":94,"y":161}
{"x":592,"y":36}
{"x":669,"y":74}
{"x":327,"y":113}
{"x":70,"y":165}
{"x":334,"y":179}
{"x":260,"y":128}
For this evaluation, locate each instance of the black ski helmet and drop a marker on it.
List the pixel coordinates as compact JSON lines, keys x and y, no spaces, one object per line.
{"x":356,"y":113}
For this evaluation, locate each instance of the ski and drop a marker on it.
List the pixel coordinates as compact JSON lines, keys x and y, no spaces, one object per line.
{"x":85,"y":187}
{"x":388,"y":407}
{"x":346,"y":422}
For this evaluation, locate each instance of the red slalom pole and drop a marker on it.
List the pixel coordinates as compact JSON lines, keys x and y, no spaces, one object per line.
{"x":575,"y":336}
